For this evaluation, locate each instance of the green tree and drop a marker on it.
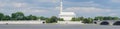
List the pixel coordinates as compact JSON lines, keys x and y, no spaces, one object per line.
{"x":1,"y":16}
{"x":6,"y":18}
{"x":17,"y":16}
{"x":115,"y":18}
{"x":90,"y":20}
{"x":73,"y":19}
{"x":60,"y":19}
{"x":87,"y":20}
{"x":31,"y":17}
{"x":99,"y":18}
{"x":108,"y":18}
{"x":42,"y":18}
{"x":77,"y":19}
{"x":80,"y":18}
{"x":53,"y":19}
{"x":34,"y":18}
{"x":48,"y":20}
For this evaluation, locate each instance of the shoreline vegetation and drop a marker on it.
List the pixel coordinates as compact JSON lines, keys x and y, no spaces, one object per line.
{"x":19,"y":16}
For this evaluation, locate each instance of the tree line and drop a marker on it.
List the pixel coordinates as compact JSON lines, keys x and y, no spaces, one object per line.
{"x":19,"y":16}
{"x":16,"y":17}
{"x":97,"y":18}
{"x":54,"y":19}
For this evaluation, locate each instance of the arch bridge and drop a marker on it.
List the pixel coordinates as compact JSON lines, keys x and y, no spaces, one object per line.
{"x":107,"y":22}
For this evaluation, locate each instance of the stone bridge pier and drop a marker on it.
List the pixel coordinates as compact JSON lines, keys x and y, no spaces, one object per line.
{"x":107,"y":22}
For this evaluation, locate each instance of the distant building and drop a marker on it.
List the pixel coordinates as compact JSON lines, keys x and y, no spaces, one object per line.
{"x":67,"y":16}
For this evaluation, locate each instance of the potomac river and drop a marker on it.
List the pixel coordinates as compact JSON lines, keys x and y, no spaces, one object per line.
{"x":56,"y":26}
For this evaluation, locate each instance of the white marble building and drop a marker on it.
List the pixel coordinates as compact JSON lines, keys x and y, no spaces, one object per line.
{"x":67,"y":16}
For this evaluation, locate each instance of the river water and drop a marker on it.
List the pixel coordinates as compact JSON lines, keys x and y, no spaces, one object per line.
{"x":57,"y":26}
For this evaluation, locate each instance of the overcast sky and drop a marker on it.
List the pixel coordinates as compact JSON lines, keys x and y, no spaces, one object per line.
{"x":47,"y":8}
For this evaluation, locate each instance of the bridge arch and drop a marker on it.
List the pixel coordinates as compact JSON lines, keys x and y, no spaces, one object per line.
{"x":116,"y":23}
{"x":95,"y":22}
{"x":104,"y":23}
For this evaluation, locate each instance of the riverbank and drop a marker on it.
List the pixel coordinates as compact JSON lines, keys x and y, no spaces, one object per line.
{"x":37,"y":22}
{"x":21,"y":22}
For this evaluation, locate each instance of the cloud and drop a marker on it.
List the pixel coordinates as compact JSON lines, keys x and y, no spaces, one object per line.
{"x":1,"y":4}
{"x":26,"y":11}
{"x":15,"y":4}
{"x":49,"y":1}
{"x":113,"y":14}
{"x":88,"y":9}
{"x":115,"y":1}
{"x":34,"y":11}
{"x":12,"y":4}
{"x":110,"y":14}
{"x":86,"y":4}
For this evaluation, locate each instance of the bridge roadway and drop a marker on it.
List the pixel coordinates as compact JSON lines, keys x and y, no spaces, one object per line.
{"x":107,"y":22}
